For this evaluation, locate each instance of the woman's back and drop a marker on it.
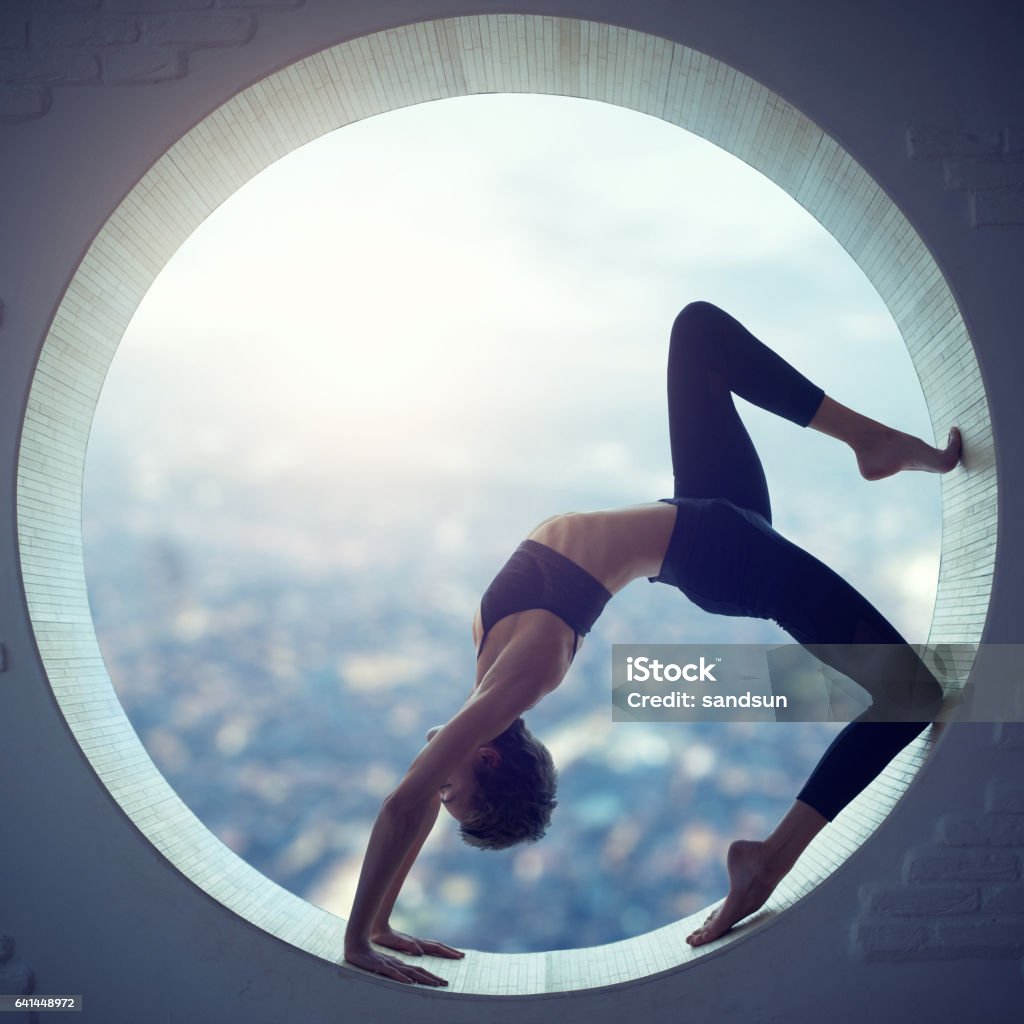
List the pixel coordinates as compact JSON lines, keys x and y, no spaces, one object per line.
{"x":615,"y":545}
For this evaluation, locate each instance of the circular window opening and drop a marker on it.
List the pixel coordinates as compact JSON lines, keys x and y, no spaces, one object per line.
{"x":292,"y":505}
{"x":412,"y":64}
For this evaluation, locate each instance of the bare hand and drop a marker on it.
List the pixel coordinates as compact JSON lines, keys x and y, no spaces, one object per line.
{"x":417,"y":947}
{"x":391,"y":967}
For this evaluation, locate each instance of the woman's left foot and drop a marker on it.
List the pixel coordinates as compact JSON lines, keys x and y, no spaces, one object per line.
{"x":751,"y":882}
{"x":891,"y":451}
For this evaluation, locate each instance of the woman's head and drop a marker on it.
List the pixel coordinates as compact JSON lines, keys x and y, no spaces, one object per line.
{"x":515,"y":792}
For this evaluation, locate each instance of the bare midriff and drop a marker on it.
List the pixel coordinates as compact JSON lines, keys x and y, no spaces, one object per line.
{"x":616,"y":546}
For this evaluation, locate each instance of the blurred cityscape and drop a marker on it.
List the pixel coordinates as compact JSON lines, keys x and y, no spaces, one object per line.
{"x":282,"y":650}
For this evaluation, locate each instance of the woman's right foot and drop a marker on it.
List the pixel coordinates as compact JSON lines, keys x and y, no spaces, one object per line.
{"x":887,"y":451}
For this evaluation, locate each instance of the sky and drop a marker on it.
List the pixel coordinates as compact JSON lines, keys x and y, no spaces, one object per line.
{"x":476,"y":294}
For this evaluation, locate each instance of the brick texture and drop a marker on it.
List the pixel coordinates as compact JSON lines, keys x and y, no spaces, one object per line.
{"x":51,"y":43}
{"x":985,"y":172}
{"x":963,"y":895}
{"x":65,"y":5}
{"x":196,"y":30}
{"x":23,"y":104}
{"x":917,"y":901}
{"x":891,"y":941}
{"x":928,"y":142}
{"x":995,"y":207}
{"x":935,"y":864}
{"x":990,"y":830}
{"x":987,"y":164}
{"x":83,"y":30}
{"x":158,"y":5}
{"x":989,"y":940}
{"x":53,"y":68}
{"x":136,"y":66}
{"x":262,"y":3}
{"x":1004,"y":899}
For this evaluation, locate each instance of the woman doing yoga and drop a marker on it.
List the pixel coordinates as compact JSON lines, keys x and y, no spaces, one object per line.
{"x":714,"y":541}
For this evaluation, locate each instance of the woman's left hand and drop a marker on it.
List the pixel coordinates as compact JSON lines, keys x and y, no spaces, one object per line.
{"x":416,"y":947}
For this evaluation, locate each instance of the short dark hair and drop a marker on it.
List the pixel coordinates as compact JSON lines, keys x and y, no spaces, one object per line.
{"x":516,"y":796}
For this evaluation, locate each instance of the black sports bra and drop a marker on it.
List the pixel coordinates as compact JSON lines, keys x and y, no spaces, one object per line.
{"x":537,"y":576}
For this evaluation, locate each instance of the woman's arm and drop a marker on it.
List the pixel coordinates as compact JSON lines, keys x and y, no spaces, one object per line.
{"x":520,"y":676}
{"x":382,"y":934}
{"x":383,"y":919}
{"x":392,"y":839}
{"x":406,"y":817}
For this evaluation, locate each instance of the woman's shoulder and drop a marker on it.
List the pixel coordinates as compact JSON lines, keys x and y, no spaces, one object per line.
{"x":529,"y":652}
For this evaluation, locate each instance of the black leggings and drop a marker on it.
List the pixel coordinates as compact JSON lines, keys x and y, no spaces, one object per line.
{"x":725,"y":556}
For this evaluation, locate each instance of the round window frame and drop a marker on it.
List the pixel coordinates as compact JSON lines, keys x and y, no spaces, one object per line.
{"x":359,"y":78}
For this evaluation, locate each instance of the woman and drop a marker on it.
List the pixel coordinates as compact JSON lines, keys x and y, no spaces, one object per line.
{"x":713,"y":541}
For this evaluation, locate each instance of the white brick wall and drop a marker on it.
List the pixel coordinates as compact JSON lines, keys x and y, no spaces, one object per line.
{"x":48,"y":44}
{"x":986,"y":163}
{"x":962,"y":896}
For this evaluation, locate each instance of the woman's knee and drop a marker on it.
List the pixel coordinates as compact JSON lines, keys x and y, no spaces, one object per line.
{"x":696,"y":316}
{"x":696,"y":325}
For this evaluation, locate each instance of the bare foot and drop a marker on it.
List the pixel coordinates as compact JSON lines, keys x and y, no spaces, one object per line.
{"x":750,"y":884}
{"x":889,"y":451}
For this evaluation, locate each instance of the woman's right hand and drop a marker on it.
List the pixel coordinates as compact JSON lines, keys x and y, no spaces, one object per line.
{"x":367,"y":958}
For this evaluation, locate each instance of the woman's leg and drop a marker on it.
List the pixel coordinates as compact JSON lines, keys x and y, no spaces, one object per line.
{"x":837,"y":624}
{"x":756,"y":868}
{"x":712,"y":357}
{"x":880,"y":450}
